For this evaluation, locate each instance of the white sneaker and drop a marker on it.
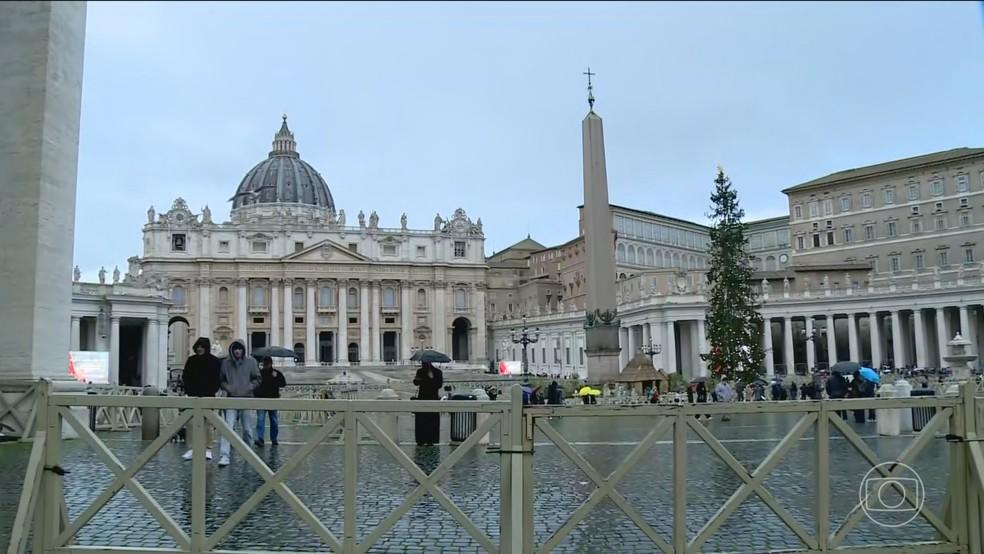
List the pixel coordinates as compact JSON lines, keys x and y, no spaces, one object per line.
{"x":187,"y":455}
{"x":223,"y":461}
{"x":208,"y":454}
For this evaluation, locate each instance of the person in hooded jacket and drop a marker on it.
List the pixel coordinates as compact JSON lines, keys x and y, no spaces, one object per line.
{"x":200,"y":378}
{"x":271,"y":381}
{"x":239,"y":377}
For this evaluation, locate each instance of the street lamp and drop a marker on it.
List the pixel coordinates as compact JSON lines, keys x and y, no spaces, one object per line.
{"x":650,"y":349}
{"x":525,"y":339}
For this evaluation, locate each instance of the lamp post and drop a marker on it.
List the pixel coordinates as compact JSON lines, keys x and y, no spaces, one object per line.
{"x":525,"y":339}
{"x":651,"y":349}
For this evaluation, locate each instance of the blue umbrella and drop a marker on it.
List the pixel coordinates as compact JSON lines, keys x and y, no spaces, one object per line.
{"x":870,"y":375}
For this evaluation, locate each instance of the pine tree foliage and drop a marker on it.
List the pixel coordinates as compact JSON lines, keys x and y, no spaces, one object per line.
{"x":734,"y":324}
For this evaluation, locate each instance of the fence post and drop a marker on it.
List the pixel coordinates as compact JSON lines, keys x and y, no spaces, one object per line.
{"x":517,"y":490}
{"x":42,"y":505}
{"x":680,"y":482}
{"x":958,"y":467}
{"x":53,"y":496}
{"x":823,"y":476}
{"x":973,"y":497}
{"x":150,"y":418}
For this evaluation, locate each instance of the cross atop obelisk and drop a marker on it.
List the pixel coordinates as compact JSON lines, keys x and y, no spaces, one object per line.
{"x":590,"y":88}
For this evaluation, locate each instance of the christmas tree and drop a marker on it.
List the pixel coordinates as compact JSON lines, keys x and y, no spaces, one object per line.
{"x":733,"y":321}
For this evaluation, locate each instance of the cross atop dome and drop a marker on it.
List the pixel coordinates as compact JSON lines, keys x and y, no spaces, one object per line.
{"x":283,"y":141}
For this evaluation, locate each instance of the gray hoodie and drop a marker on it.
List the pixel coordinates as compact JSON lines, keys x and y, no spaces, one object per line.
{"x":239,"y":378}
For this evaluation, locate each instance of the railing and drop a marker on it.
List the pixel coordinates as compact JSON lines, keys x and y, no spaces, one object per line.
{"x":958,"y":529}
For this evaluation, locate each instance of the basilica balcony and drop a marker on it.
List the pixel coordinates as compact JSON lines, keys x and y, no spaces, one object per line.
{"x":259,"y":309}
{"x":178,"y":309}
{"x":390,"y":310}
{"x":327,"y":309}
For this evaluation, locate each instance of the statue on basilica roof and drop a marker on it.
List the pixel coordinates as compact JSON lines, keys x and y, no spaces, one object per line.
{"x":150,"y":215}
{"x":438,"y":221}
{"x":373,"y":220}
{"x":206,"y":214}
{"x":362,"y":220}
{"x":403,"y":221}
{"x":341,"y":217}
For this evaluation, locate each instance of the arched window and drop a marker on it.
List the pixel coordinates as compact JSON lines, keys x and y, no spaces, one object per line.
{"x":259,"y":296}
{"x":660,"y":261}
{"x":178,"y":296}
{"x":389,"y":297}
{"x":650,"y":260}
{"x":770,"y":263}
{"x":326,"y":296}
{"x":223,"y":296}
{"x":620,"y":252}
{"x":693,"y":262}
{"x":298,"y":297}
{"x":353,"y":297}
{"x":632,"y":255}
{"x":460,"y":299}
{"x":421,"y":298}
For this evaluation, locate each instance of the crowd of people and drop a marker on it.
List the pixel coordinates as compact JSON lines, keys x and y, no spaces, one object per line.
{"x":235,"y":376}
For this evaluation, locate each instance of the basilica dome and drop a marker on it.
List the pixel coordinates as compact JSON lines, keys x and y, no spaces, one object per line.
{"x":283,"y":178}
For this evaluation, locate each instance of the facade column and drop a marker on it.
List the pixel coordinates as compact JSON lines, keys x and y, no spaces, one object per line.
{"x":897,"y":350}
{"x":341,"y":352}
{"x":623,"y":343}
{"x":852,"y":337}
{"x":76,"y":337}
{"x":633,"y":345}
{"x":876,"y":340}
{"x":114,"y":350}
{"x":920,"y":325}
{"x":831,"y":341}
{"x":204,"y":308}
{"x":406,"y":320}
{"x":811,"y":346}
{"x":966,"y":331}
{"x":770,"y":361}
{"x":701,"y":347}
{"x":162,"y":345}
{"x":942,"y":335}
{"x":647,"y":336}
{"x":241,"y":310}
{"x":670,"y":347}
{"x":288,"y":338}
{"x":311,"y":347}
{"x":153,"y":372}
{"x":363,"y":322}
{"x":377,"y":354}
{"x":275,"y":314}
{"x":787,"y":347}
{"x":440,"y":329}
{"x":481,"y":338}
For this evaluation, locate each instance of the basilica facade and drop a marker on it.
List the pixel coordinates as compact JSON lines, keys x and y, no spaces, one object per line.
{"x":291,"y":269}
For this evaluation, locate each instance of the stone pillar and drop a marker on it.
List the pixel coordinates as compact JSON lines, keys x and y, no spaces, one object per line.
{"x":633,"y":344}
{"x":811,"y":346}
{"x":646,"y":334}
{"x":897,"y":349}
{"x":852,"y":337}
{"x":311,"y":347}
{"x":623,"y":343}
{"x":114,"y":350}
{"x":701,"y":347}
{"x":76,"y":333}
{"x":204,"y":308}
{"x":831,"y":341}
{"x":942,"y":335}
{"x":966,"y":331}
{"x":241,"y":310}
{"x":288,"y":338}
{"x":41,"y":46}
{"x":480,"y":352}
{"x":876,"y":340}
{"x":377,"y":351}
{"x":342,"y":338}
{"x":770,"y":361}
{"x":406,"y":320}
{"x":363,"y":322}
{"x":440,"y":329}
{"x":154,"y":374}
{"x":275,"y":314}
{"x":921,"y":358}
{"x":787,"y":344}
{"x":670,"y":348}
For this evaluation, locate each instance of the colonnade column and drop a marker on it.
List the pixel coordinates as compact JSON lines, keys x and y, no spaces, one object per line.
{"x":377,"y":355}
{"x":670,"y":347}
{"x":920,"y":325}
{"x":289,"y":313}
{"x":831,"y":341}
{"x":311,"y":349}
{"x":623,"y":343}
{"x":481,"y":347}
{"x":852,"y":337}
{"x":275,"y":314}
{"x":876,"y":345}
{"x":787,"y":350}
{"x":942,"y":334}
{"x":440,"y":329}
{"x":114,"y":350}
{"x":646,"y":334}
{"x":341,"y":338}
{"x":241,"y":310}
{"x":204,"y":308}
{"x":811,"y":347}
{"x":76,"y":336}
{"x":965,"y":329}
{"x":770,"y":361}
{"x":363,"y":321}
{"x":897,"y":350}
{"x":153,"y":372}
{"x":406,"y":319}
{"x":701,"y":347}
{"x":633,"y":344}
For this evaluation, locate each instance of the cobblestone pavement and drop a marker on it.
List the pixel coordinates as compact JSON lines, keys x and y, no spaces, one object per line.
{"x":473,"y":484}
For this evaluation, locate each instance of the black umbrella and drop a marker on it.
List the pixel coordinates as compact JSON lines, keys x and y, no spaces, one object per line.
{"x":430,"y":356}
{"x":759,"y":381}
{"x":698,"y":380}
{"x":274,"y":352}
{"x":846,"y":368}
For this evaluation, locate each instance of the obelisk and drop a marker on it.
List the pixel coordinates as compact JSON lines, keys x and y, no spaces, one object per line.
{"x":601,"y":322}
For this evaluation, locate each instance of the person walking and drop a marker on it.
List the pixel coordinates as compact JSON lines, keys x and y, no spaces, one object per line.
{"x":793,"y":391}
{"x":702,"y":397}
{"x":427,"y":425}
{"x":856,"y":391}
{"x":200,"y":378}
{"x":724,"y":393}
{"x":837,"y":389}
{"x":271,"y":381}
{"x":239,"y":377}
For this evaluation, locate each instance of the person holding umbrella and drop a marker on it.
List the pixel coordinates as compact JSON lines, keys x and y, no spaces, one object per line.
{"x":429,"y":380}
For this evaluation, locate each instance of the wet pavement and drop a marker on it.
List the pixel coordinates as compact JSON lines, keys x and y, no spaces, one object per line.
{"x":473,"y":484}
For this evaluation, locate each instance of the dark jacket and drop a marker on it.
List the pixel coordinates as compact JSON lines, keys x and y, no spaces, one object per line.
{"x":201,"y":373}
{"x":428,"y":386}
{"x":836,"y":386}
{"x":239,"y":378}
{"x":271,"y":381}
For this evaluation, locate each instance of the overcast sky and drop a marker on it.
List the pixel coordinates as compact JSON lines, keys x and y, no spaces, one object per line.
{"x":430,"y":107}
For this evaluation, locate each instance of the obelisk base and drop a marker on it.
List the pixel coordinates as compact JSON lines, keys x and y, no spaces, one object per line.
{"x":602,"y":350}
